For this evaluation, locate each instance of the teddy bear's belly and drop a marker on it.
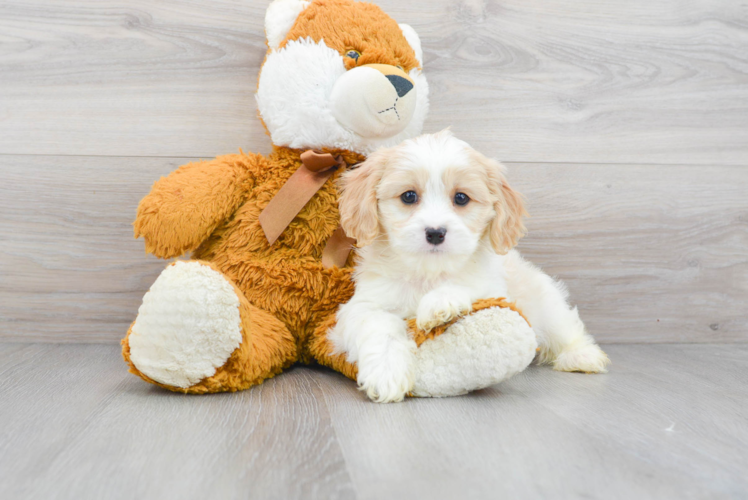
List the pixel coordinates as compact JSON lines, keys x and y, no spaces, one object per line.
{"x":298,"y":291}
{"x":288,"y":279}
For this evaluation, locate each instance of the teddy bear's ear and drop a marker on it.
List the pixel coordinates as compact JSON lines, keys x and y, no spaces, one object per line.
{"x":413,"y":40}
{"x":279,"y":19}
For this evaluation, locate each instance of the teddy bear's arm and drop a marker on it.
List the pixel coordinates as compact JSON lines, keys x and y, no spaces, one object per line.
{"x":186,"y":206}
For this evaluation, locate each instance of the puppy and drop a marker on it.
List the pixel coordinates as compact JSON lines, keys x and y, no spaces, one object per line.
{"x":436,"y":222}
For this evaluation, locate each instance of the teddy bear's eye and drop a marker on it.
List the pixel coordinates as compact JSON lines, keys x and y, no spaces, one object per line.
{"x":353,"y":54}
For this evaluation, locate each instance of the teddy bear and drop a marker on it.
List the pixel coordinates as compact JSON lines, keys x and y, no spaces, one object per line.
{"x":269,"y":263}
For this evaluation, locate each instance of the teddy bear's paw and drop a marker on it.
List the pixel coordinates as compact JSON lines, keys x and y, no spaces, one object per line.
{"x":386,"y":376}
{"x":439,"y":307}
{"x":477,"y":351}
{"x":582,"y":356}
{"x":188,"y":325}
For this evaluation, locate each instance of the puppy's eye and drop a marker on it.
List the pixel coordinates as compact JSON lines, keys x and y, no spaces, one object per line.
{"x":461,"y":199}
{"x":409,"y":197}
{"x":353,"y":54}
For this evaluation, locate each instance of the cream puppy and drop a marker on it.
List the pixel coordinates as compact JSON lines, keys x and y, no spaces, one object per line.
{"x":436,"y":222}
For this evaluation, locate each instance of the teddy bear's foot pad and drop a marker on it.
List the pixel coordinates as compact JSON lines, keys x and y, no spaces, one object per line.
{"x":188,"y":325}
{"x":477,"y":351}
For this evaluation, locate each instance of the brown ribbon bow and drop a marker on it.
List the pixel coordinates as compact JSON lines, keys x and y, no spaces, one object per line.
{"x":316,"y":168}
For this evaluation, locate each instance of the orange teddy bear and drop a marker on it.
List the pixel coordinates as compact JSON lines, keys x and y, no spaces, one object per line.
{"x":270,"y":264}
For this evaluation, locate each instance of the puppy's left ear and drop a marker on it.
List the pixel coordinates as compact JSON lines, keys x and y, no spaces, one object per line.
{"x":359,"y":215}
{"x":507,"y":226}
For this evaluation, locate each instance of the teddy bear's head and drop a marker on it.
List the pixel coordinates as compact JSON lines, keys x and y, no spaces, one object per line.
{"x":340,"y":74}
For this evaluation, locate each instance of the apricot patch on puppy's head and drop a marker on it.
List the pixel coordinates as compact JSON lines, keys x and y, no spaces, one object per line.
{"x":359,"y":28}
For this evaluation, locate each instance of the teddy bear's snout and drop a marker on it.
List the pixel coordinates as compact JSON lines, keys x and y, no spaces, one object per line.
{"x":374,"y":100}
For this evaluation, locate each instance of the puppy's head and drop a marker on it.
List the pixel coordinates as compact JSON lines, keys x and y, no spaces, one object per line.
{"x":431,"y":196}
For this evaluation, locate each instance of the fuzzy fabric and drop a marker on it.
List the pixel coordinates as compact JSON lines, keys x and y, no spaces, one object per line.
{"x":243,"y":310}
{"x":297,"y":112}
{"x":298,"y":76}
{"x":470,"y":356}
{"x":287,"y":298}
{"x":285,"y":283}
{"x":482,"y":349}
{"x":280,"y":18}
{"x":188,"y":325}
{"x":359,"y":26}
{"x":265,"y":348}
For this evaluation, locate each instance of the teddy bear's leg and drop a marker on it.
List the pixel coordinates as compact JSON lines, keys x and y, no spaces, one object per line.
{"x":196,"y":332}
{"x":323,"y":350}
{"x":491,"y":344}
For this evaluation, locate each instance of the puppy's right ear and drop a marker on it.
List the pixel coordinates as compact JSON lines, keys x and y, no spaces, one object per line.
{"x":507,"y":227}
{"x":358,"y":199}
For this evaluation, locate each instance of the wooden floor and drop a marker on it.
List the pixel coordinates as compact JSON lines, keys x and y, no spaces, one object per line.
{"x":668,"y":421}
{"x":625,"y":124}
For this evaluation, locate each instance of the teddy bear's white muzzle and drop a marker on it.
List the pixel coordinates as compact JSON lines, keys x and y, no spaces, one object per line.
{"x":374,"y":100}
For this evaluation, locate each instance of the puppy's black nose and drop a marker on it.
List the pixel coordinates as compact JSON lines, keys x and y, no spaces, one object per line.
{"x":402,"y":86}
{"x":435,"y":236}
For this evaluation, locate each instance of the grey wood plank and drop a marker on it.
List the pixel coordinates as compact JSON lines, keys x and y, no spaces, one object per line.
{"x":660,"y":425}
{"x":76,"y":425}
{"x":133,"y":78}
{"x":69,"y":261}
{"x":575,"y":81}
{"x":47,"y":397}
{"x":667,"y":405}
{"x":8,"y":351}
{"x":650,"y":253}
{"x":546,"y":434}
{"x":595,"y":81}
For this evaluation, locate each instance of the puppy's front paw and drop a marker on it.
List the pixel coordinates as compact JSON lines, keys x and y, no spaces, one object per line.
{"x":387,"y":376}
{"x":582,"y":357}
{"x":439,"y":307}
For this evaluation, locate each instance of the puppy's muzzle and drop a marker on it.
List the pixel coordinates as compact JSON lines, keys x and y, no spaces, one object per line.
{"x":436,"y":236}
{"x":374,"y":100}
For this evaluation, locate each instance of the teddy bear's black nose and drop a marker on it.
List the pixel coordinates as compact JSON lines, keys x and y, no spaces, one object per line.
{"x":402,"y":85}
{"x":435,"y":236}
